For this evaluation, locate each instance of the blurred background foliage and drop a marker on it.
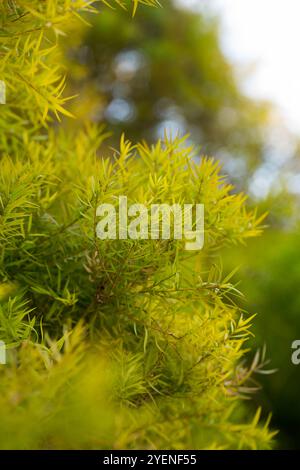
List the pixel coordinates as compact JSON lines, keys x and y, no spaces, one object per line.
{"x":270,"y":273}
{"x":166,"y":71}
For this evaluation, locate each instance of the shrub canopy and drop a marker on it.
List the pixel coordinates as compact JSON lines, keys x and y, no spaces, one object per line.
{"x":115,"y":343}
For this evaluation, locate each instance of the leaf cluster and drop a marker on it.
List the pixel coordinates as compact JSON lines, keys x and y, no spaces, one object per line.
{"x":115,"y":343}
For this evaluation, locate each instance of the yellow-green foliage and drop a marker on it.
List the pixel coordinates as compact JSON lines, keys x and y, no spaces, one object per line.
{"x":116,"y":343}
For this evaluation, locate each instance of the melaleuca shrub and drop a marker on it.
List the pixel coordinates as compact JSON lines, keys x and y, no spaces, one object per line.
{"x":111,"y":343}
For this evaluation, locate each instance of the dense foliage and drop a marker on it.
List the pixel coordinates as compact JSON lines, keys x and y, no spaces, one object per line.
{"x":115,"y":343}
